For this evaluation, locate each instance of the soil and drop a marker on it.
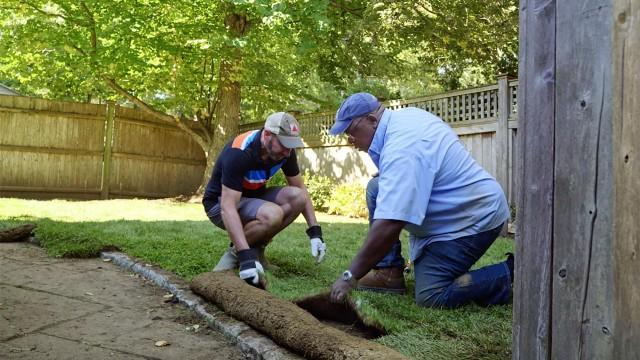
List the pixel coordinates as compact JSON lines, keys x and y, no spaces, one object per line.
{"x":19,"y":233}
{"x":285,"y":322}
{"x":343,"y":316}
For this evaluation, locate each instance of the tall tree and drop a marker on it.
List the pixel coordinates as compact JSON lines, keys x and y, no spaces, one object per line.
{"x":176,"y":60}
{"x":412,"y":39}
{"x":220,"y":62}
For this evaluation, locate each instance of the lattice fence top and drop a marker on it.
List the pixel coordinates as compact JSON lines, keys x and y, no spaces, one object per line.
{"x":456,"y":107}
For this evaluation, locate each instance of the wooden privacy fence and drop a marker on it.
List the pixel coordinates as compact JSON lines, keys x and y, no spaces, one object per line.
{"x":485,"y":119}
{"x":73,"y":150}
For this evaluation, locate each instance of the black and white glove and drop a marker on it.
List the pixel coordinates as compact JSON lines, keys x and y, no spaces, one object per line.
{"x":251,"y":270}
{"x":318,"y":247}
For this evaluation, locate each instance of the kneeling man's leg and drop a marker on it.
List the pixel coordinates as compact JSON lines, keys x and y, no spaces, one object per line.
{"x":443,"y":278}
{"x":388,"y":274}
{"x":271,"y":213}
{"x":267,"y":222}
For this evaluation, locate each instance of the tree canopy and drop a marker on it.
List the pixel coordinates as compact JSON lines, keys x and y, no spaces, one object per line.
{"x":295,"y":54}
{"x":223,"y":62}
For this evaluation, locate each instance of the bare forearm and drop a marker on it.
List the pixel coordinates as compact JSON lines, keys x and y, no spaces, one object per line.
{"x":235,"y":229}
{"x":382,"y":235}
{"x":308,"y":212}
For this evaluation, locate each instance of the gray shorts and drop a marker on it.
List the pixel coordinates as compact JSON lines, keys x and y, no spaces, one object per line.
{"x":247,"y":207}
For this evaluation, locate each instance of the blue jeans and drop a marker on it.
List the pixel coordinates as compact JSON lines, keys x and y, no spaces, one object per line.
{"x":442,"y":271}
{"x":443,"y":278}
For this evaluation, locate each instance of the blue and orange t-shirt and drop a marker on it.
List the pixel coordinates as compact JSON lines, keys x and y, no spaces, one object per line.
{"x":240,"y":167}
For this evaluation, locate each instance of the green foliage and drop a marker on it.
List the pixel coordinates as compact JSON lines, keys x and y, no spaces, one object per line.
{"x":513,"y":212}
{"x":414,"y":40}
{"x":169,"y":54}
{"x":348,"y":200}
{"x":278,"y":179}
{"x":319,"y":188}
{"x":179,"y":238}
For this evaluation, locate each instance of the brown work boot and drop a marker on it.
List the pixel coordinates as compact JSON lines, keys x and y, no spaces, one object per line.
{"x":386,"y":280}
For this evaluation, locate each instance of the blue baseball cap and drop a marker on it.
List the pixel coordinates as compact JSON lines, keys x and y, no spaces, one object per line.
{"x":354,"y":106}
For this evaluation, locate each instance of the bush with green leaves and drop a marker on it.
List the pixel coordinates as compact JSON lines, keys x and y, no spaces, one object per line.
{"x":278,"y":179}
{"x":319,"y":188}
{"x":348,"y":200}
{"x":512,"y":210}
{"x":345,"y":199}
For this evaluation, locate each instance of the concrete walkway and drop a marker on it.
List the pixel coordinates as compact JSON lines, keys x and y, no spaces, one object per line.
{"x":91,"y":309}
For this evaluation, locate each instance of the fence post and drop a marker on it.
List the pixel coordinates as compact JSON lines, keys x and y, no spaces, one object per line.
{"x":502,"y":134}
{"x":106,"y":158}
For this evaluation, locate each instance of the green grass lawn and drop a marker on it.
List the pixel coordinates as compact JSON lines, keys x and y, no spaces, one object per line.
{"x":179,"y":238}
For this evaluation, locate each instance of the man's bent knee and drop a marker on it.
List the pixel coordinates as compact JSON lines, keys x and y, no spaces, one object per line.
{"x":294,"y":196}
{"x":270,"y":215}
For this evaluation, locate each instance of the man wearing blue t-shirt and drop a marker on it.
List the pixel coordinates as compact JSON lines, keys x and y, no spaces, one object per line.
{"x":429,"y":185}
{"x":237,"y":199}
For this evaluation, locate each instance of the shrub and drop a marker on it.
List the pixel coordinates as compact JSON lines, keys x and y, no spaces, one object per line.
{"x":512,"y":210}
{"x":277,"y":180}
{"x":348,"y":200}
{"x":319,"y":188}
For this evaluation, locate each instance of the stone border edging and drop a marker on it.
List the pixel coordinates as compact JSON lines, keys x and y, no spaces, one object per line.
{"x":251,"y":342}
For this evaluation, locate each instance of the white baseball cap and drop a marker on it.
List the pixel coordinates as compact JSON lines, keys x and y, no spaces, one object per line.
{"x":286,"y":128}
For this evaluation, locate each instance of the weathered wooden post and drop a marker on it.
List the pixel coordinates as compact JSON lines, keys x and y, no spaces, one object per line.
{"x":502,"y":133}
{"x":106,"y":155}
{"x":536,"y":119}
{"x":626,"y":170}
{"x":578,"y":268}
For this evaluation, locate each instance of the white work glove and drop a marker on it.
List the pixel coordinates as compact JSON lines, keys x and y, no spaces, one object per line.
{"x":318,"y":247}
{"x":251,"y":270}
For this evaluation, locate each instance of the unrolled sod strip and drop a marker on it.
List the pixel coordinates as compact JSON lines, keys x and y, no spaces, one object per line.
{"x":283,"y":321}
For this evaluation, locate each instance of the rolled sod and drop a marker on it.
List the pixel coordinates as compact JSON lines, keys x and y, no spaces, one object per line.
{"x":283,"y":321}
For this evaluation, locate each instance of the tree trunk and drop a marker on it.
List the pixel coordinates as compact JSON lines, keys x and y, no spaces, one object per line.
{"x":227,"y":107}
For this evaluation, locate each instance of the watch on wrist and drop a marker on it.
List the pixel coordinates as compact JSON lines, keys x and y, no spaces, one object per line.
{"x":347,"y":276}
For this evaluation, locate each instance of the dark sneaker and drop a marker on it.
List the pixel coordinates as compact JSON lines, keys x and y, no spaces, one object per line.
{"x":385,"y":280}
